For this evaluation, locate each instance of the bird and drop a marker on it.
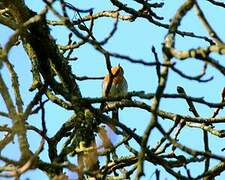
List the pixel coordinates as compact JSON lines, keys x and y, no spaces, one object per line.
{"x":119,"y":87}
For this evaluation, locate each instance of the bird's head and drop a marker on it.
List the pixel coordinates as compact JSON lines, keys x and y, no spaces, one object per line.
{"x":117,"y":70}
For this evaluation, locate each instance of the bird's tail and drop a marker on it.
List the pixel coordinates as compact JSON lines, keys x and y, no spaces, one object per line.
{"x":115,"y":115}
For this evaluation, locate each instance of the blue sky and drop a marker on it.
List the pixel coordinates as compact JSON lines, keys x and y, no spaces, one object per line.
{"x":134,"y":39}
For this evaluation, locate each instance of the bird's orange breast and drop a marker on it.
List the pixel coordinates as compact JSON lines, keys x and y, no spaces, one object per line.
{"x":116,"y":80}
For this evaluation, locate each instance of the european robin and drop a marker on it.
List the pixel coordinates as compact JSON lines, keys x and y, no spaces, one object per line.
{"x":118,"y":87}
